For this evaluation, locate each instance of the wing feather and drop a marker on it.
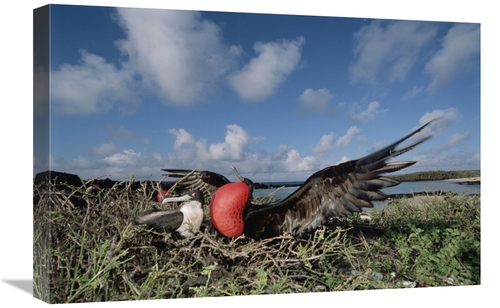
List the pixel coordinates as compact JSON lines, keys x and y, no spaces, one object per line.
{"x":161,"y":221}
{"x":333,"y":191}
{"x":206,"y":181}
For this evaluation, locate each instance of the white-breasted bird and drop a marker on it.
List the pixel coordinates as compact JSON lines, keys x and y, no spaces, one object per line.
{"x":334,"y":191}
{"x":185,"y":220}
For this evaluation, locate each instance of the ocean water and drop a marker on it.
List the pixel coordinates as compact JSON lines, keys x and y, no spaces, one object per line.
{"x":403,"y":188}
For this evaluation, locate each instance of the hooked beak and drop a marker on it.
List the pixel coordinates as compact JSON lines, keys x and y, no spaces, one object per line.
{"x":237,"y":174}
{"x":176,"y":199}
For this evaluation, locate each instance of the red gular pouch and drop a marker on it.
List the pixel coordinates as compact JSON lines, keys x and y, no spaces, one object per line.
{"x":226,"y":208}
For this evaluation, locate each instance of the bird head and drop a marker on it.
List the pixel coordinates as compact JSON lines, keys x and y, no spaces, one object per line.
{"x":195,"y":194}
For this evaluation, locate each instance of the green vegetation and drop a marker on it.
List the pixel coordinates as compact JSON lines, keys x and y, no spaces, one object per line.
{"x":89,"y":251}
{"x":437,"y":175}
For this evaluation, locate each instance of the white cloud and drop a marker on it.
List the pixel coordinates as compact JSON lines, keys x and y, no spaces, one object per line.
{"x":324,"y":145}
{"x":343,"y":159}
{"x":175,"y":52}
{"x":295,"y":162}
{"x":388,"y":49}
{"x":446,"y":118}
{"x":287,"y":159}
{"x":262,"y":75}
{"x":314,"y":101}
{"x":344,"y":140}
{"x":454,"y":160}
{"x":459,"y":54}
{"x":281,"y":153}
{"x":182,"y":137}
{"x":456,"y":139}
{"x":124,"y":158}
{"x":366,"y":115}
{"x":175,"y":55}
{"x":234,"y":147}
{"x":103,"y":149}
{"x":93,"y":86}
{"x":235,"y":150}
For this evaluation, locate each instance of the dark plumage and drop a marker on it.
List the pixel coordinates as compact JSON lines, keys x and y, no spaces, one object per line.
{"x":334,"y":191}
{"x":206,"y":181}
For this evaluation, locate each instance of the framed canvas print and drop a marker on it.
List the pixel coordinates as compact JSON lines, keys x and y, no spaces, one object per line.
{"x":187,"y":154}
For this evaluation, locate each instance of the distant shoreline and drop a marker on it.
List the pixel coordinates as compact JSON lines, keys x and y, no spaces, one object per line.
{"x":476,"y":179}
{"x":458,"y":176}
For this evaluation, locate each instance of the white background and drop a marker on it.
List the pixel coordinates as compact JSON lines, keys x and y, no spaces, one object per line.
{"x":17,"y":148}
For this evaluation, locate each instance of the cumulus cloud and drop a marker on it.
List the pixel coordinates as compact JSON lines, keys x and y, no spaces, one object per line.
{"x":234,"y":147}
{"x":182,"y":137}
{"x":121,"y":165}
{"x":324,"y":145}
{"x":124,"y":158}
{"x":118,"y":165}
{"x":188,"y":152}
{"x":388,"y":49}
{"x":177,"y":53}
{"x":314,"y":101}
{"x":365,"y":115}
{"x":287,"y":159}
{"x":263,"y":74}
{"x":344,"y":140}
{"x":93,"y":86}
{"x":281,"y":153}
{"x":459,"y":53}
{"x":295,"y":162}
{"x":173,"y":54}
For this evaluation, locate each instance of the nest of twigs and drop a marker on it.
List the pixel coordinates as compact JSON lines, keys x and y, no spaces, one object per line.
{"x":86,"y":249}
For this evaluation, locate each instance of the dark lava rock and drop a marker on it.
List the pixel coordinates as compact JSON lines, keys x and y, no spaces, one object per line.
{"x":61,"y":179}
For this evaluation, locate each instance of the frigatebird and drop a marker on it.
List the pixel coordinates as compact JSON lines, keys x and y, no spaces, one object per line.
{"x":335,"y":191}
{"x":185,"y":220}
{"x":206,"y":181}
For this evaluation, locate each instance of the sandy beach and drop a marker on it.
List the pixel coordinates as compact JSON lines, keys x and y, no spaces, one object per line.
{"x":472,"y":179}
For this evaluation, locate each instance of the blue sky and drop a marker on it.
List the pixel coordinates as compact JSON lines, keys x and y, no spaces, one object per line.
{"x":17,"y":119}
{"x":277,"y":96}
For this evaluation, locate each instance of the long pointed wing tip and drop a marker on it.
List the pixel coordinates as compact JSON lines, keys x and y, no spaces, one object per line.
{"x":428,"y":123}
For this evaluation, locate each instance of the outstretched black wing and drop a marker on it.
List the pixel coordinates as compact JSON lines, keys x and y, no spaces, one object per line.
{"x":206,"y":181}
{"x":334,"y":191}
